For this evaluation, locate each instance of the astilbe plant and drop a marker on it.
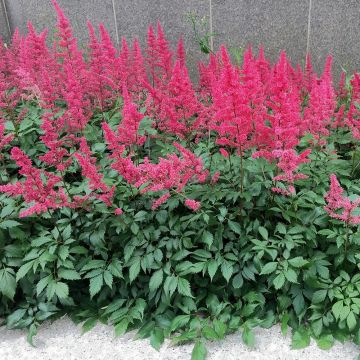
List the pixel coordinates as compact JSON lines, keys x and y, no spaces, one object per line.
{"x":185,"y":209}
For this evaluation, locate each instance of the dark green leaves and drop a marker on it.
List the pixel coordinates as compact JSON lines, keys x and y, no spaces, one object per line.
{"x":156,"y":280}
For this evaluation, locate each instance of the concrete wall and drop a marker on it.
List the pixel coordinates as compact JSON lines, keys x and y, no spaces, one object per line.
{"x":321,"y":26}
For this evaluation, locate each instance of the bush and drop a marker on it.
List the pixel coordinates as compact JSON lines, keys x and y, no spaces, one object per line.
{"x":131,"y":196}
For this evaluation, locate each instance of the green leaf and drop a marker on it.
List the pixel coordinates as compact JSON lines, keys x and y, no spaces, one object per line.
{"x":134,"y":270}
{"x":121,"y":327}
{"x":31,"y":333}
{"x":248,"y":337}
{"x":24,"y":269}
{"x":263,"y":232}
{"x":96,"y":284}
{"x":88,"y":325}
{"x":179,"y":321}
{"x":170,"y":285}
{"x":235,"y":227}
{"x":319,"y":296}
{"x":7,"y":224}
{"x":61,"y":290}
{"x":199,"y":351}
{"x":157,"y":338}
{"x":207,"y":238}
{"x":7,"y":283}
{"x":68,"y":274}
{"x":279,"y":281}
{"x":298,"y":262}
{"x":300,"y":339}
{"x":227,"y":270}
{"x":269,"y":268}
{"x":351,"y":321}
{"x":108,"y":278}
{"x":284,"y":323}
{"x":220,"y":328}
{"x":156,"y":280}
{"x":325,"y":342}
{"x":237,"y":281}
{"x":291,"y":275}
{"x":337,"y":308}
{"x":43,"y":283}
{"x":209,"y":333}
{"x":183,"y":287}
{"x":212,"y":268}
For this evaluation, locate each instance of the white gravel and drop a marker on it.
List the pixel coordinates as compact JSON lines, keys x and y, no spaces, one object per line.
{"x":63,"y":340}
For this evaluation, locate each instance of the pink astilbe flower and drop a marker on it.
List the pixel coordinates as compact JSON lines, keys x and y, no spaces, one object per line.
{"x":88,"y":167}
{"x":288,"y":162}
{"x":40,"y":189}
{"x":180,"y":52}
{"x":232,"y":117}
{"x":4,"y":139}
{"x":322,"y":103}
{"x":339,"y":206}
{"x":159,"y":56}
{"x":118,"y":211}
{"x":192,"y":204}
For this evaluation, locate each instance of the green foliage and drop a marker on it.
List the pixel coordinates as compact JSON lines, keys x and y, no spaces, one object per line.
{"x":245,"y":259}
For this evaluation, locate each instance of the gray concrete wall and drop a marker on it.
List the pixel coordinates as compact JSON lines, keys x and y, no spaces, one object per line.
{"x":320,"y":26}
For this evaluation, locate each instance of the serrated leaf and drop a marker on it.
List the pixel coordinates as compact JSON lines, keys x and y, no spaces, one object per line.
{"x":157,"y":338}
{"x":68,"y":274}
{"x":96,"y":283}
{"x":235,"y":227}
{"x":263,"y":232}
{"x":300,"y":339}
{"x":42,"y":284}
{"x":207,"y":238}
{"x":351,"y":321}
{"x":337,"y":308}
{"x":269,"y":268}
{"x":291,"y":275}
{"x":108,"y":278}
{"x":199,"y":351}
{"x":248,"y":337}
{"x":7,"y":283}
{"x":24,"y":269}
{"x":183,"y":287}
{"x":88,"y":325}
{"x":237,"y":281}
{"x":325,"y":342}
{"x":61,"y":290}
{"x":298,"y":262}
{"x":31,"y":333}
{"x":212,"y":268}
{"x":170,"y":285}
{"x":156,"y":280}
{"x":319,"y":296}
{"x":121,"y":327}
{"x":7,"y":224}
{"x":134,"y":270}
{"x":179,"y":321}
{"x":279,"y":281}
{"x":227,"y":270}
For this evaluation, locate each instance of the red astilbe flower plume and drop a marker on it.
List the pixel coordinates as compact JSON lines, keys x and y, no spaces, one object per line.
{"x":177,"y":108}
{"x":322,"y":103}
{"x":284,"y":102}
{"x":288,"y":162}
{"x":100,"y":82}
{"x":339,"y":206}
{"x":89,"y":170}
{"x":232,"y":117}
{"x":138,"y":72}
{"x":352,"y":119}
{"x":129,"y":126}
{"x":41,"y":194}
{"x":159,"y":56}
{"x":180,"y":52}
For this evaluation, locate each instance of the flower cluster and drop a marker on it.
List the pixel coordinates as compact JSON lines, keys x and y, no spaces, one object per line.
{"x":339,"y":206}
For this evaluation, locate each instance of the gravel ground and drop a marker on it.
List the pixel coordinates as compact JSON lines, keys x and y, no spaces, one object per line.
{"x":62,"y":340}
